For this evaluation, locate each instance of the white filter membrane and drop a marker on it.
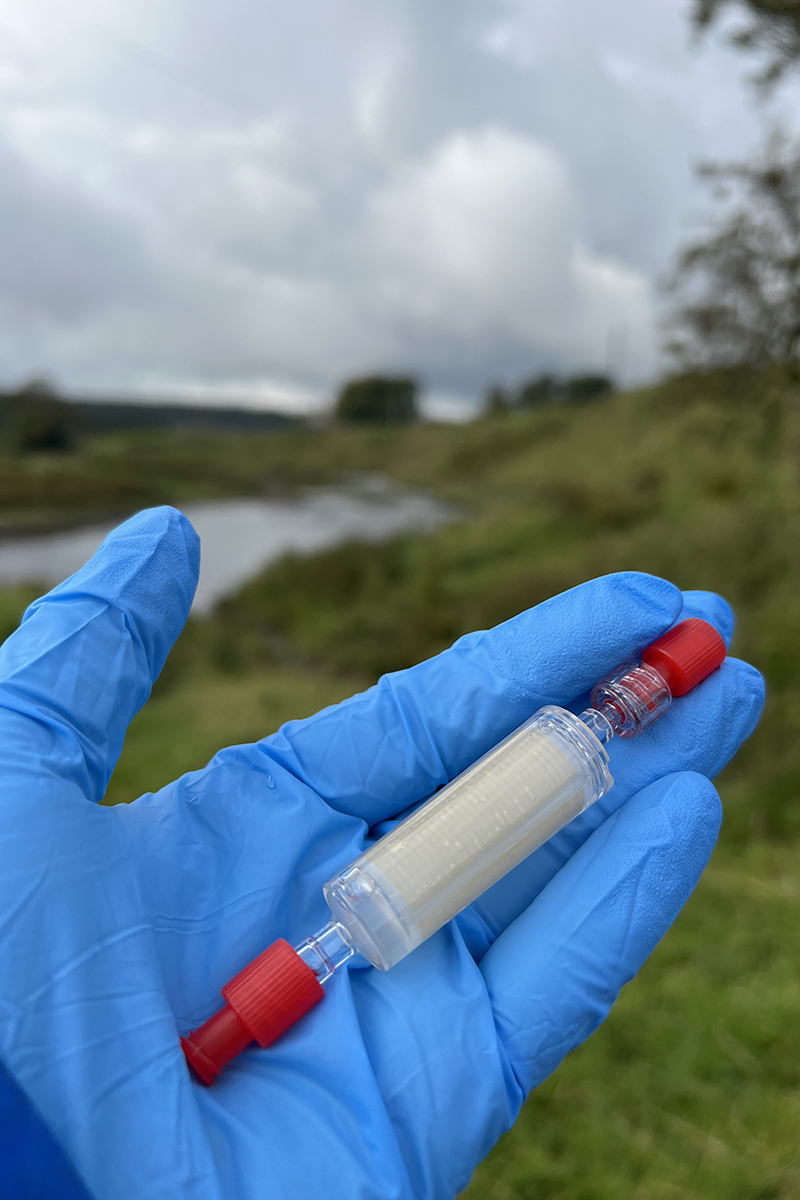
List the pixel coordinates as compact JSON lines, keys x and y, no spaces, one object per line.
{"x":468,"y":836}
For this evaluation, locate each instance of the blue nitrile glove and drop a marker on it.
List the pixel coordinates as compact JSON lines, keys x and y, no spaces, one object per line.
{"x":119,"y":925}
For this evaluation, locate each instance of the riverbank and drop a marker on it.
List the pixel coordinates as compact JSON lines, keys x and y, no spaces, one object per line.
{"x":241,"y":536}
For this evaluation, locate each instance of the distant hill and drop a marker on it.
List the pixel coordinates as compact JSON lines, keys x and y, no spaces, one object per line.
{"x":38,"y":405}
{"x":102,"y":416}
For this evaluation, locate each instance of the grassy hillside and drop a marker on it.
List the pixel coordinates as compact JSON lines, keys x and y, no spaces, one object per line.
{"x":692,"y":1087}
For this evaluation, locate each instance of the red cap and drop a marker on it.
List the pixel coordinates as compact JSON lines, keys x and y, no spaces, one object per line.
{"x":686,"y":654}
{"x":264,"y":1000}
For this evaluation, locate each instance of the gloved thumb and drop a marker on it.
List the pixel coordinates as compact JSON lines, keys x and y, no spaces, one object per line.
{"x":86,"y":655}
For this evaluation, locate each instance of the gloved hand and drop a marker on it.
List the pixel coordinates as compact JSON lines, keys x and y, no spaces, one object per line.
{"x":119,"y":925}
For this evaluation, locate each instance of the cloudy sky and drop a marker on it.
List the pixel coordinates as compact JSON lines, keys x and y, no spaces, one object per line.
{"x":250,"y":200}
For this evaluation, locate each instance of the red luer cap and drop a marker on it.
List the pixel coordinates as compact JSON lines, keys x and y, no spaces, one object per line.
{"x":686,"y":654}
{"x":263,"y":1001}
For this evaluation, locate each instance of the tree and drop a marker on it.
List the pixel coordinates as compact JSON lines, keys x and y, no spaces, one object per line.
{"x":741,"y":287}
{"x":544,"y":389}
{"x":774,"y":28}
{"x":380,"y":399}
{"x":587,"y":387}
{"x":36,"y":418}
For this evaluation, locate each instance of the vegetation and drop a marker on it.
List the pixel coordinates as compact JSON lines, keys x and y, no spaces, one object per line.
{"x":117,"y":473}
{"x":773,"y":28}
{"x":546,"y":389}
{"x":739,"y":289}
{"x":378,"y":398}
{"x":741,"y":286}
{"x":692,"y":1086}
{"x":35,"y":418}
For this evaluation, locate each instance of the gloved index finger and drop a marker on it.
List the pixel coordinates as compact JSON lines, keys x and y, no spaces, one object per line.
{"x":377,"y":753}
{"x":85,"y":656}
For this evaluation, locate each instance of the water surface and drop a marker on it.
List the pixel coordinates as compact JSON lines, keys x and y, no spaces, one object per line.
{"x":240,"y":537}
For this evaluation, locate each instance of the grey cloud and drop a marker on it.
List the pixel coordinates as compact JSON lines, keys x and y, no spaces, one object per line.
{"x":276,"y":196}
{"x":61,"y":257}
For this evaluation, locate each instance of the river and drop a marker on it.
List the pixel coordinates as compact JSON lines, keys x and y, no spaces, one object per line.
{"x":239,"y":537}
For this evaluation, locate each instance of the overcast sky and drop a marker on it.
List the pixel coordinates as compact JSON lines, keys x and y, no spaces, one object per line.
{"x":249,"y":199}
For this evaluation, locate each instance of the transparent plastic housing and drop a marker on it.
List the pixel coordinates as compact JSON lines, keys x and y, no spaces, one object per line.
{"x":328,"y":949}
{"x":631,"y":698}
{"x":468,"y":836}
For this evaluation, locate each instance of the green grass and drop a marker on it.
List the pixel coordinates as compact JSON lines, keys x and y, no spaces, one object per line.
{"x":692,"y":1086}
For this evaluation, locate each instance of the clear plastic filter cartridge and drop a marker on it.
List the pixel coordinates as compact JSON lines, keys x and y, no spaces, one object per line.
{"x":447,"y":853}
{"x":443,"y":856}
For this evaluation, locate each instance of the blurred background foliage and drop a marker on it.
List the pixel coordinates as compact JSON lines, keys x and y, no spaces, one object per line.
{"x":735,"y":293}
{"x":692,"y":1087}
{"x":386,"y":399}
{"x":771,"y":29}
{"x":738,"y":290}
